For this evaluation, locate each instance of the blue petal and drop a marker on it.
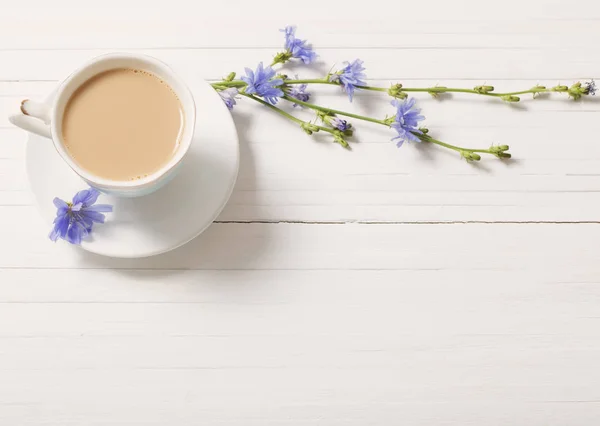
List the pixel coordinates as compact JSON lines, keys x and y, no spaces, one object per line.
{"x":350,"y":90}
{"x":85,"y":221}
{"x":249,"y":78}
{"x":61,"y":225}
{"x":60,"y":203}
{"x":267,"y":73}
{"x":289,"y":30}
{"x":308,"y":57}
{"x":59,"y":217}
{"x":259,"y":71}
{"x":80,"y":196}
{"x":76,"y":232}
{"x":93,"y":216}
{"x":87,"y":197}
{"x":105,"y":208}
{"x":61,"y":207}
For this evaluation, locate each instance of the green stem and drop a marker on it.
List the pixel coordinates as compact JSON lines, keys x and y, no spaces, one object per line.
{"x":312,"y":81}
{"x":426,"y":138}
{"x":471,"y":91}
{"x":434,"y":89}
{"x":464,"y":152}
{"x":233,"y":83}
{"x":333,"y":111}
{"x":274,"y":108}
{"x":285,"y":114}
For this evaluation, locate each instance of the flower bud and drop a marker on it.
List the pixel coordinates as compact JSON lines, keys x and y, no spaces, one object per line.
{"x":396,"y":91}
{"x":390,"y":120}
{"x":425,"y":130}
{"x":537,"y":89}
{"x":510,"y":98}
{"x":435,"y":91}
{"x":576,"y":90}
{"x":504,"y":155}
{"x":498,"y":148}
{"x":470,"y":156}
{"x":483,"y":89}
{"x":337,"y":123}
{"x":309,"y":128}
{"x":560,"y":88}
{"x":230,"y":76}
{"x":282,"y":57}
{"x":338,"y":138}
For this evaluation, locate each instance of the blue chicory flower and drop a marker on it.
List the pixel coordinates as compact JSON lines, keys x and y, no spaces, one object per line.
{"x":298,"y":48}
{"x":338,"y":123}
{"x":74,"y":220}
{"x":229,"y":95}
{"x":262,"y":83}
{"x":350,"y":77}
{"x":406,"y":121}
{"x":298,"y":91}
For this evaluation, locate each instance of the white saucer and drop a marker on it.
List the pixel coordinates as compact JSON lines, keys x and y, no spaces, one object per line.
{"x":166,"y":219}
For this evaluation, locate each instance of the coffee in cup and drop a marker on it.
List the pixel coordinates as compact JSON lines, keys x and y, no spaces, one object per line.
{"x":122,"y":124}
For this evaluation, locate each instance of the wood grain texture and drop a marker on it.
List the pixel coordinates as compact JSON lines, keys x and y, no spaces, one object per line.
{"x":372,"y":287}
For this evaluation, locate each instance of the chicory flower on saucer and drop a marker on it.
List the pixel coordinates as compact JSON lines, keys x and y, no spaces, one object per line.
{"x":75,"y":219}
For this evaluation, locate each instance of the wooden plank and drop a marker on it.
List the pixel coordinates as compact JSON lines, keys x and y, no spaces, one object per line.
{"x":456,"y":343}
{"x":205,"y":31}
{"x":313,"y":246}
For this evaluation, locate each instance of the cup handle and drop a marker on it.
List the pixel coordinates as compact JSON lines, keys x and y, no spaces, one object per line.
{"x":33,"y":117}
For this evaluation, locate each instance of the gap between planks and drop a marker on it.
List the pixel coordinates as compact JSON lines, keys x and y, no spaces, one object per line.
{"x":453,"y":222}
{"x":278,"y":47}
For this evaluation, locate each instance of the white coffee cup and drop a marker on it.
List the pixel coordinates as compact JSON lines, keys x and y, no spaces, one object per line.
{"x":45,"y":119}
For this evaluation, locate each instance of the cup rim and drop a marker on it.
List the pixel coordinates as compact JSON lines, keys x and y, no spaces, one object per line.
{"x":111,"y":184}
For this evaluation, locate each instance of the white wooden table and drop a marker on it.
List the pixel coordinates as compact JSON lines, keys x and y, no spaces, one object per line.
{"x":372,"y":287}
